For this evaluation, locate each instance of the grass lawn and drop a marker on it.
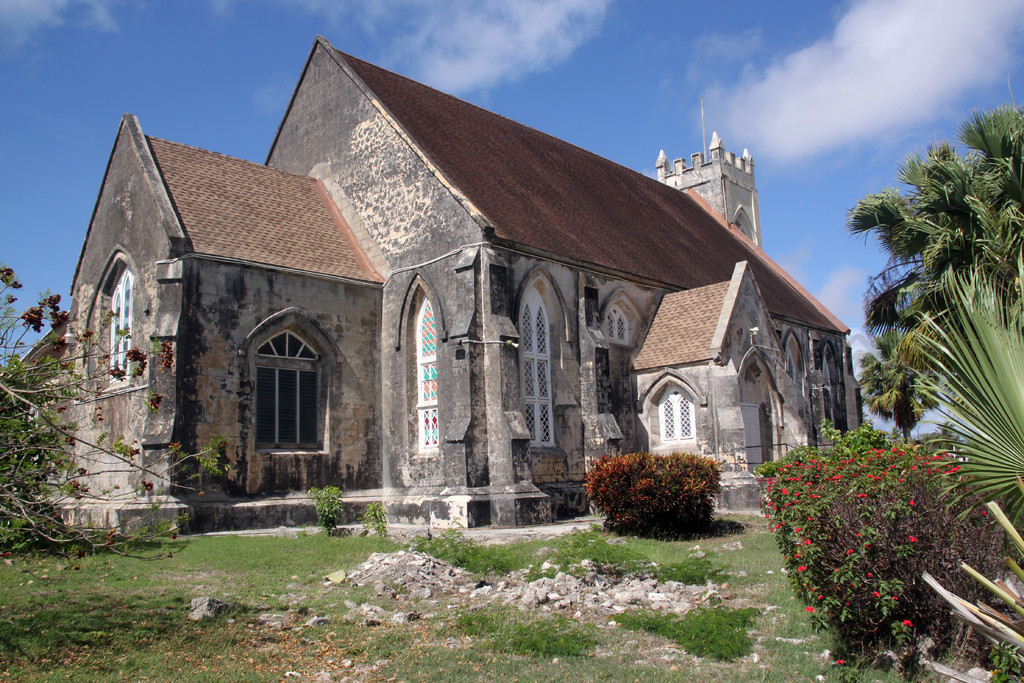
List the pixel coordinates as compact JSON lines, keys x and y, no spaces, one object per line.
{"x":110,"y":618}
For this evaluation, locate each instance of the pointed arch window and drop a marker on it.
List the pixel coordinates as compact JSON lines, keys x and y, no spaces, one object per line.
{"x":426,"y":367}
{"x":617,"y":326}
{"x":675,"y":411}
{"x":121,"y":323}
{"x":535,"y":351}
{"x":287,"y":400}
{"x":826,"y":385}
{"x":794,"y":365}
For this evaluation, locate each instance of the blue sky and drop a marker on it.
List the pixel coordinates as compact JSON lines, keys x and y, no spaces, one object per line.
{"x":828,"y":97}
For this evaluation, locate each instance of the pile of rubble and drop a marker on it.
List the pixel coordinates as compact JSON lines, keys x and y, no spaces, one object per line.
{"x":585,"y":593}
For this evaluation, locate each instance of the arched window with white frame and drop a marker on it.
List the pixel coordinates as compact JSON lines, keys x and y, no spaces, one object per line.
{"x":617,"y":326}
{"x":121,"y":324}
{"x":675,"y":412}
{"x":288,"y":411}
{"x":535,"y":357}
{"x":426,"y":373}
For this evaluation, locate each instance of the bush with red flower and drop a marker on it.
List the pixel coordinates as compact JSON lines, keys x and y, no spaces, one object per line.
{"x":859,"y":522}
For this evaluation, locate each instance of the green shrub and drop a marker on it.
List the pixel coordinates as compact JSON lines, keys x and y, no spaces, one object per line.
{"x":327,"y":502}
{"x":719,"y":633}
{"x":375,"y":519}
{"x":653,"y":495}
{"x":858,"y":526}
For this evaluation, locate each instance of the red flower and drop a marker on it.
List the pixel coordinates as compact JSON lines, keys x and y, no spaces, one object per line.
{"x":913,"y":539}
{"x":801,"y":568}
{"x":908,"y":623}
{"x":876,"y":594}
{"x":808,"y":609}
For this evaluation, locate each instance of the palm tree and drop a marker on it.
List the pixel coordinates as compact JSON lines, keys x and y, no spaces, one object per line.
{"x":977,"y":348}
{"x":962,"y":212}
{"x":891,"y":386}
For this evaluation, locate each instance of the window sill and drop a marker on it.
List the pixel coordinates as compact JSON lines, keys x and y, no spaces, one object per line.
{"x":119,"y":388}
{"x":290,"y":450}
{"x":688,"y":445}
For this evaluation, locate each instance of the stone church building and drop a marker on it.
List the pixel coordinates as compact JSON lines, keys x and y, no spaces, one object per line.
{"x":427,"y":304}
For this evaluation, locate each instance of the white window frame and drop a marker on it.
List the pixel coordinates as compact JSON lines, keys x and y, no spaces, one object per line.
{"x":298,"y":360}
{"x":426,"y":362}
{"x":535,"y":364}
{"x":121,"y":322}
{"x":675,"y":413}
{"x":617,"y":328}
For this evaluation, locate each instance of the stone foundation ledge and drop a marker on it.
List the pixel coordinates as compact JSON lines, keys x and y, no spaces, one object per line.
{"x":741,"y":492}
{"x":127,"y":515}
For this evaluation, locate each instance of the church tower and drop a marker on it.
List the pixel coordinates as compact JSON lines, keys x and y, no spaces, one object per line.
{"x":725,"y":181}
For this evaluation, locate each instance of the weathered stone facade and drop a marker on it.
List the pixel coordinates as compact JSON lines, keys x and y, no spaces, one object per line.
{"x":391,"y":307}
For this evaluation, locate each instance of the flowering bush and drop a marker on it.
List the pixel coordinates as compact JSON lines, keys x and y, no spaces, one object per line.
{"x":858,"y":525}
{"x":654,"y":495}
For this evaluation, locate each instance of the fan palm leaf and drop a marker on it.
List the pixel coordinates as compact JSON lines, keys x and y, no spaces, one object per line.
{"x":978,"y":349}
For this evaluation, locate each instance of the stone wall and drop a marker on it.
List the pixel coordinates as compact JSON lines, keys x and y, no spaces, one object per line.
{"x":231,"y":310}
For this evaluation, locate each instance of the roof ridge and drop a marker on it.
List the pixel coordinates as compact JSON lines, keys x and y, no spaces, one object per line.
{"x":489,"y":112}
{"x":227,"y":157}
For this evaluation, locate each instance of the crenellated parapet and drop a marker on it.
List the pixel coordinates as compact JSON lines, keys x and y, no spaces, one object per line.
{"x":724,"y":180}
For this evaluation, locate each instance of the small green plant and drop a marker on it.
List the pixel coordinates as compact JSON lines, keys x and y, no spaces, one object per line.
{"x":693,"y":571}
{"x":454,"y":548}
{"x":1006,"y":664}
{"x":375,"y":519}
{"x":642,"y":494}
{"x":608,"y":558}
{"x":719,"y":633}
{"x":506,"y":632}
{"x":328,"y":506}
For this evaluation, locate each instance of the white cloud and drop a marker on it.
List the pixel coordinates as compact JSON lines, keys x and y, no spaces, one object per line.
{"x":888,"y":65}
{"x":483,"y":43}
{"x":470,"y":44}
{"x":843,"y":294}
{"x":19,"y":19}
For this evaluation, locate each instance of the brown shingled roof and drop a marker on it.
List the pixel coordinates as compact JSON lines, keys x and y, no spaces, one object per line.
{"x":683,"y":328}
{"x":238,"y":209}
{"x":545,"y":193}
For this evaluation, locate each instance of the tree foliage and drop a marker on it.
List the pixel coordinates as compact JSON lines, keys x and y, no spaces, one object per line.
{"x":892,"y":387}
{"x":961,"y":212}
{"x":50,"y":455}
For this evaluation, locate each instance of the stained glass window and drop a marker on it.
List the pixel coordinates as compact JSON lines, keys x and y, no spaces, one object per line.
{"x":426,"y":363}
{"x":535,"y":356}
